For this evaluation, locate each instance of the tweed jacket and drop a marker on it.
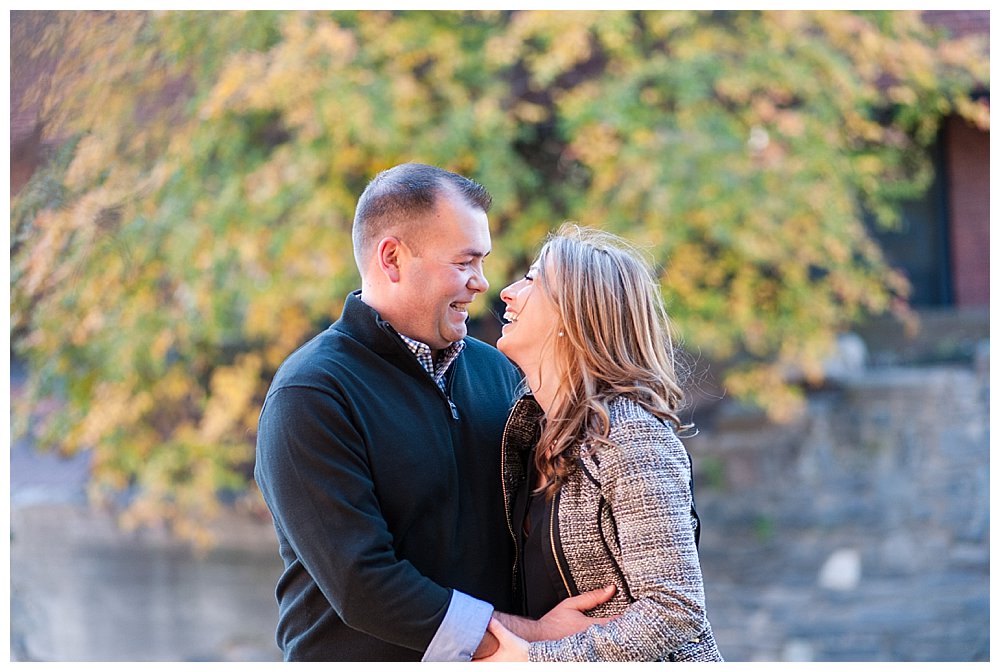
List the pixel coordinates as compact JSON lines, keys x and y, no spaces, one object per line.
{"x":625,"y":516}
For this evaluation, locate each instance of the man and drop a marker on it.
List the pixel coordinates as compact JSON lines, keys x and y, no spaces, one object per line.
{"x":378,"y":449}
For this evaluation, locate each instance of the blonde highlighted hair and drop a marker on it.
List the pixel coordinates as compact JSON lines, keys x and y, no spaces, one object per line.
{"x":614,"y":340}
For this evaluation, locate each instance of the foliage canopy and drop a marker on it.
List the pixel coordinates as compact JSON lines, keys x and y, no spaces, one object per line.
{"x":194,"y":227}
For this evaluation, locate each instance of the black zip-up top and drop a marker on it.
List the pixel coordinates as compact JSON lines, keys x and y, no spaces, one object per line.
{"x":383,"y":490}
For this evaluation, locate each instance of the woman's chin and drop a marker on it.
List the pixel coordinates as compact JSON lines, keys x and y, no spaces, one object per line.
{"x":503,"y":345}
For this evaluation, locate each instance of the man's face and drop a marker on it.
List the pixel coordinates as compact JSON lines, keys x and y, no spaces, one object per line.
{"x":442,"y":272}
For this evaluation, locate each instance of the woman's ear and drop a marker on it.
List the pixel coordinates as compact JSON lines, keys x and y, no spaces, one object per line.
{"x":388,"y":253}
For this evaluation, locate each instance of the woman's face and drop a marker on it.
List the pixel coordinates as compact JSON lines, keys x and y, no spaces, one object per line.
{"x":531,"y":319}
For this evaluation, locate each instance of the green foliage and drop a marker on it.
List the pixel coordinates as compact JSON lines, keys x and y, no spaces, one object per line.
{"x":196,"y":229}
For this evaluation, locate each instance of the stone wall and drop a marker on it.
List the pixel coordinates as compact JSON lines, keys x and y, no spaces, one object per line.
{"x":859,"y":532}
{"x":84,"y":590}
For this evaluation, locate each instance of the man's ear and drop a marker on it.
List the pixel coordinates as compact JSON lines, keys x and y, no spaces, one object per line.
{"x":389,"y":251}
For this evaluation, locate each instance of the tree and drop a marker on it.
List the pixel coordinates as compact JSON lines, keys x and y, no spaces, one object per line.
{"x":195,"y":226}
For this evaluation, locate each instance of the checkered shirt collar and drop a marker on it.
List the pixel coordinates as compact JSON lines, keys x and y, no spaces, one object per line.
{"x":445,"y":357}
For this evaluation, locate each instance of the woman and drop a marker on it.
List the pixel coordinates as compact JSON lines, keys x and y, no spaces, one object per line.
{"x":598,"y":485}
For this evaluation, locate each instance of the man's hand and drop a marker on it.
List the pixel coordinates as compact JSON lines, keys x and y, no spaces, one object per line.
{"x":512,"y":648}
{"x":564,"y":619}
{"x":488,"y":645}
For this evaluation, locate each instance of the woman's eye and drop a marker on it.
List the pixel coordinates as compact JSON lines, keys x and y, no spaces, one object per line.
{"x":527,"y":276}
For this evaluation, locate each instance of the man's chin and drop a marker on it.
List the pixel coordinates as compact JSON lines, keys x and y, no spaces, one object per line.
{"x":455,"y":335}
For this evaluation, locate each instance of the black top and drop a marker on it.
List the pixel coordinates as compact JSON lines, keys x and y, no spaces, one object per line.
{"x":539,"y":596}
{"x":536,"y":554}
{"x":383,"y":501}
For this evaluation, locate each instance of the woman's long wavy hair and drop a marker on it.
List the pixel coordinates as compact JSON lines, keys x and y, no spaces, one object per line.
{"x":614,"y":340}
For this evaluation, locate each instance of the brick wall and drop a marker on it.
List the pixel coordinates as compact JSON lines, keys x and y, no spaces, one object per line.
{"x":960,"y":22}
{"x":27,"y":151}
{"x":967,"y":156}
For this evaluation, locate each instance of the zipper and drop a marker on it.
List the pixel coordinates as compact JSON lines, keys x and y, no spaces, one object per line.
{"x":552,"y":544}
{"x":446,"y":395}
{"x":503,"y":479}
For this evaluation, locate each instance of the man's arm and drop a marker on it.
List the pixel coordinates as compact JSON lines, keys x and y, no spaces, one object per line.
{"x":313,"y":473}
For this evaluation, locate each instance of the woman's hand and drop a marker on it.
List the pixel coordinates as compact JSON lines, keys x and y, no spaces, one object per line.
{"x":569,"y":617}
{"x":512,"y":648}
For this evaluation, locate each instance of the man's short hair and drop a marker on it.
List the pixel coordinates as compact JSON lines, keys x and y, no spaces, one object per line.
{"x":397,"y":197}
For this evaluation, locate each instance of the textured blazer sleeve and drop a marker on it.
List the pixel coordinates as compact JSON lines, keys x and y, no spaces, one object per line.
{"x":645,"y":479}
{"x":313,"y":473}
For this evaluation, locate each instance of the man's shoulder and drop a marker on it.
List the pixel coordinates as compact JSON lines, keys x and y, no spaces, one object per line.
{"x":481,"y":353}
{"x":473,"y":344}
{"x":317,"y":357}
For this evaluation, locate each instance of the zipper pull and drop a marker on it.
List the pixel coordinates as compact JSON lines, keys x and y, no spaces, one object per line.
{"x":454,"y":409}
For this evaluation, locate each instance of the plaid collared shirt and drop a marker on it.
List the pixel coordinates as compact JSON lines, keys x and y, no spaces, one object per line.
{"x":444,"y":361}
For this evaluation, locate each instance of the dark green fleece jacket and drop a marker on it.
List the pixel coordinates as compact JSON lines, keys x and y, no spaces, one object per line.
{"x":385,"y":496}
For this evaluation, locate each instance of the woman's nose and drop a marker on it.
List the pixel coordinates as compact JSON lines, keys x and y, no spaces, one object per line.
{"x":507,"y":293}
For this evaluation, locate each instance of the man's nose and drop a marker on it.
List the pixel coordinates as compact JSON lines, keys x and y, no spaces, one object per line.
{"x":478,"y":281}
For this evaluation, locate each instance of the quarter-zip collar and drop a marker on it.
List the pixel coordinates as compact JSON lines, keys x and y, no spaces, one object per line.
{"x":438,"y":366}
{"x":363,"y":323}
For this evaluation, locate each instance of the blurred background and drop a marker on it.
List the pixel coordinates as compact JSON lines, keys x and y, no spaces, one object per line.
{"x":814,"y":187}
